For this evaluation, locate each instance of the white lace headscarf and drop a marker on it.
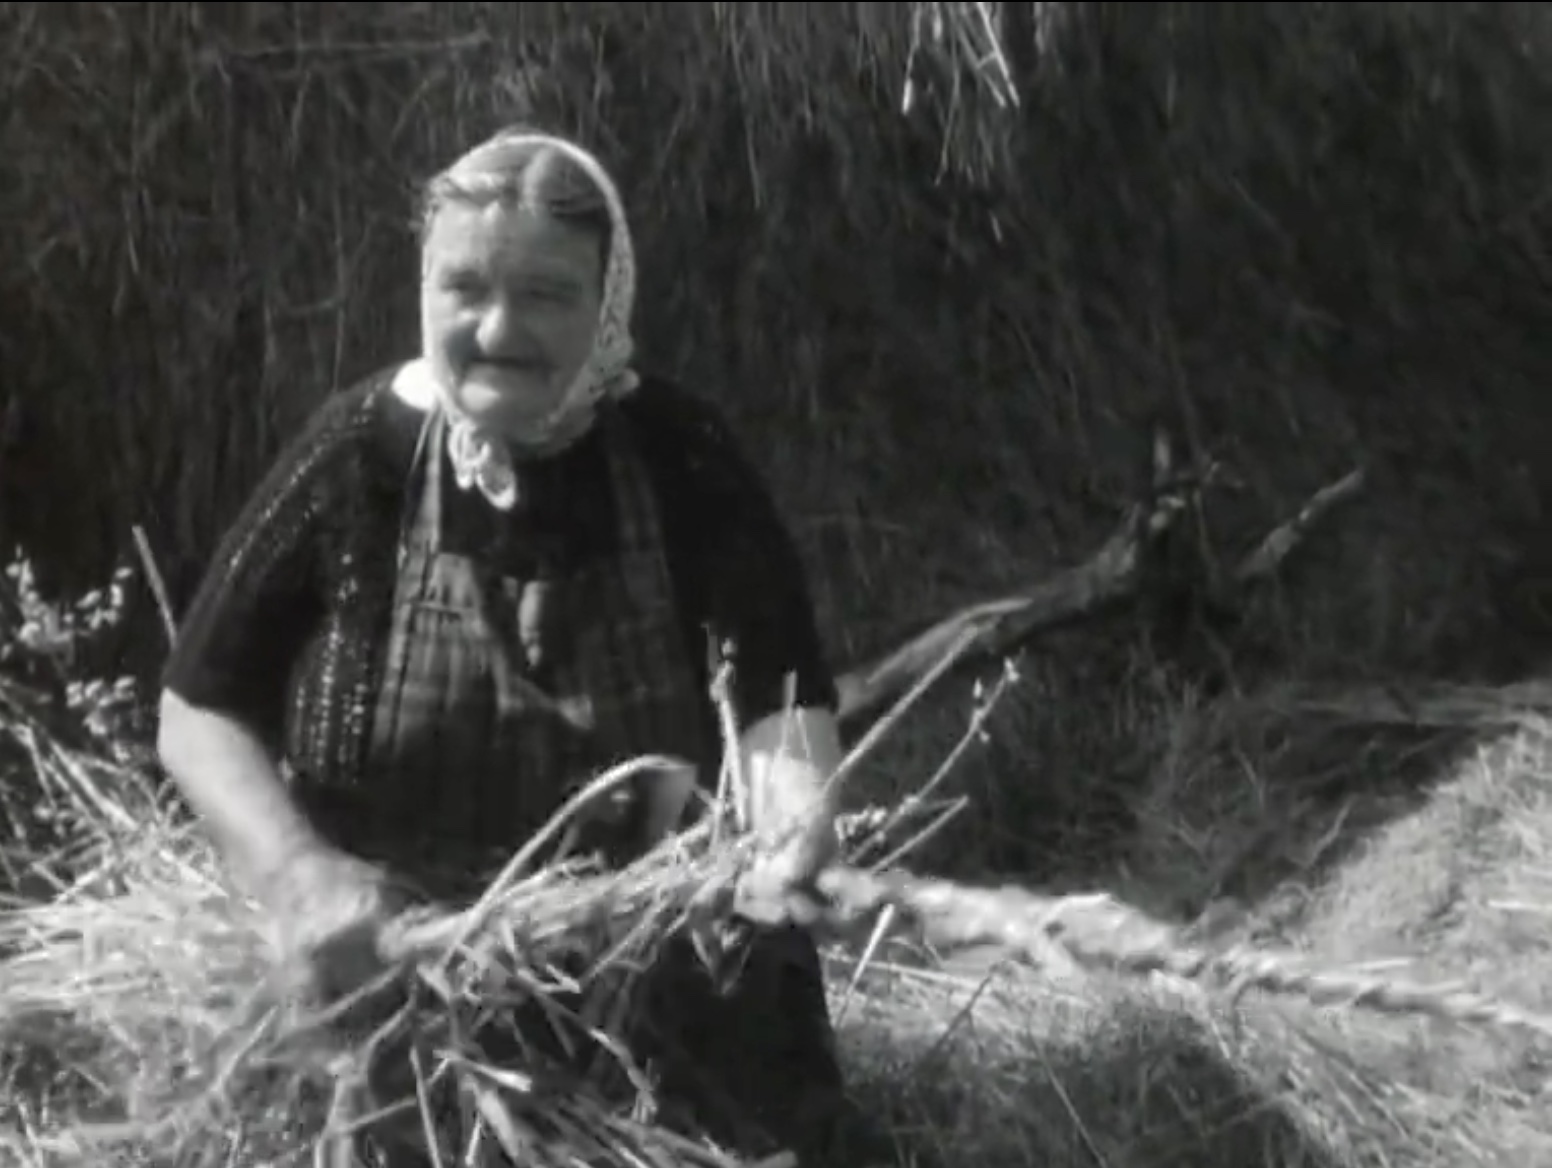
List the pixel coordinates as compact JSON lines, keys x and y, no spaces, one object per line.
{"x":482,"y":460}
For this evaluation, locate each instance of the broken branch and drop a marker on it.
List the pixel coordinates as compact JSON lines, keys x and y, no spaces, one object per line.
{"x":1112,"y":575}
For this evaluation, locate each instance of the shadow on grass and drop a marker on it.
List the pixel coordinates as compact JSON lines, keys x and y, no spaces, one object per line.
{"x":1061,"y":1082}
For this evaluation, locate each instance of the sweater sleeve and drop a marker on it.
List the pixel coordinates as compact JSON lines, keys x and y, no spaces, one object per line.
{"x":264,"y":591}
{"x":747,"y":580}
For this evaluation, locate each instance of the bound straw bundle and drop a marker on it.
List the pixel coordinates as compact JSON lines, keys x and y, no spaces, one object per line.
{"x":149,"y":1025}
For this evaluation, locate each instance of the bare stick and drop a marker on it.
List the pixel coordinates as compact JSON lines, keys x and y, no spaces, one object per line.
{"x":1285,"y":537}
{"x":1113,"y":574}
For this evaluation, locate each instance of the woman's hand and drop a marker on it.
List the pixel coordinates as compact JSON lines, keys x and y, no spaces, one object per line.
{"x":331,"y":910}
{"x":790,"y":758}
{"x":339,"y":915}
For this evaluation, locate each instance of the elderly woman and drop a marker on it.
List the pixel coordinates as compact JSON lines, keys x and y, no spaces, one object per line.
{"x":480,"y":577}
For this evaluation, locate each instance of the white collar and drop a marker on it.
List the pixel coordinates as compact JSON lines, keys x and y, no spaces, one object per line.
{"x":415,"y":385}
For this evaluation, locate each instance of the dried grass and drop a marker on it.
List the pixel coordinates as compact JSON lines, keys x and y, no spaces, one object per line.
{"x":1143,"y":1073}
{"x":153,"y":985}
{"x":154,"y":1028}
{"x":155,"y":1024}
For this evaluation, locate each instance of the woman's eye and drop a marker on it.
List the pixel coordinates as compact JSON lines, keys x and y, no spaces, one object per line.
{"x":547,"y":292}
{"x":465,"y":287}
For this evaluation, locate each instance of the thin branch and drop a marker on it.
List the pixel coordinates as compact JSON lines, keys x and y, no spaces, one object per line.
{"x":158,"y":585}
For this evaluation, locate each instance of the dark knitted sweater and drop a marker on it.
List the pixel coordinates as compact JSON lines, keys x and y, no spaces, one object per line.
{"x":301,"y":586}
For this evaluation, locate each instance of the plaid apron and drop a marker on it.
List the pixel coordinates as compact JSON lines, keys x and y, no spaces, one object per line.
{"x":499,"y":694}
{"x":490,"y":707}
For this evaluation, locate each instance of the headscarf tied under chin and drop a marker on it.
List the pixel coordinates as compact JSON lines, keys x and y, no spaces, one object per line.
{"x":484,"y":460}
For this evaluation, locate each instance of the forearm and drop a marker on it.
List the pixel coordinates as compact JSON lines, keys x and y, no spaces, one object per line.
{"x":233,"y":784}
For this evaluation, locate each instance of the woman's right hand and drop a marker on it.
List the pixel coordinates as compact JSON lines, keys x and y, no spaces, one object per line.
{"x":331,"y":909}
{"x":334,"y":910}
{"x":328,"y":907}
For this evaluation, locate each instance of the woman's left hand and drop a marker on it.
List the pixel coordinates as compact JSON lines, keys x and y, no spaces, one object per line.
{"x":783,"y":885}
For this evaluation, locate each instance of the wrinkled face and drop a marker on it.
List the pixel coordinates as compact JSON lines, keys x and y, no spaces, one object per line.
{"x":509,"y":304}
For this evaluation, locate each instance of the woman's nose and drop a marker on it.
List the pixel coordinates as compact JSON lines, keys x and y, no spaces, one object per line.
{"x":496,"y":327}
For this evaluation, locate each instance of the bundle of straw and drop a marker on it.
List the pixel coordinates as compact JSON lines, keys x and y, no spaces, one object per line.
{"x":150,"y":1024}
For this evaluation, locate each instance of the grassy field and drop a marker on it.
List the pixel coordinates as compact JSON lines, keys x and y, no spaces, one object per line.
{"x":1307,"y":238}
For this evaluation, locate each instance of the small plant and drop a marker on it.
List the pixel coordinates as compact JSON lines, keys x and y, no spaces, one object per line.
{"x":47,"y":644}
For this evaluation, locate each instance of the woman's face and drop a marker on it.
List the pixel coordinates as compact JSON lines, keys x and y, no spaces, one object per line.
{"x":510,"y":299}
